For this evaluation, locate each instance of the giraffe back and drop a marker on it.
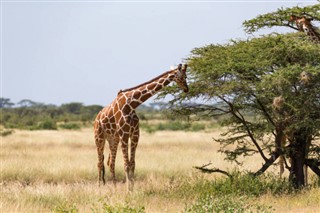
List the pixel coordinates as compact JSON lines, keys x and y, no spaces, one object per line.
{"x":118,"y":117}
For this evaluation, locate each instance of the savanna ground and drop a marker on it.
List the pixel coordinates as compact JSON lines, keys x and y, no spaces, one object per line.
{"x":55,"y":171}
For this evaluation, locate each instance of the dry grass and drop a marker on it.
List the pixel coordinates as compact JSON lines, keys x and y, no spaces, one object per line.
{"x":41,"y":170}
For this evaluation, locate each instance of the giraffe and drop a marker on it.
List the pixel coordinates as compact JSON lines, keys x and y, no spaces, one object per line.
{"x":118,"y":122}
{"x":304,"y":25}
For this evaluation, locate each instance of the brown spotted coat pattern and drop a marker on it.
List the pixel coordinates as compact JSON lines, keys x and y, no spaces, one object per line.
{"x":304,"y":25}
{"x":119,"y":123}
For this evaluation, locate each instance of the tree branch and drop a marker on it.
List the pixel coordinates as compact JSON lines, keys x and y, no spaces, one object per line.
{"x":264,"y":110}
{"x":240,"y":117}
{"x":313,"y":165}
{"x":268,"y":163}
{"x":206,"y":170}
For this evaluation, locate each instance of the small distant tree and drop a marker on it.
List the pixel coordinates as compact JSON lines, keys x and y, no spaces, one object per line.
{"x":73,"y":108}
{"x":6,"y":103}
{"x":26,"y":103}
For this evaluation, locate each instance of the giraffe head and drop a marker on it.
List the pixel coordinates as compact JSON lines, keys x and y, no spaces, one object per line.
{"x":302,"y":23}
{"x":181,"y":77}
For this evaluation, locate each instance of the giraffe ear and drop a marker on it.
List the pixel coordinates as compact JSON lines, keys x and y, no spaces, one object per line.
{"x":185,"y":68}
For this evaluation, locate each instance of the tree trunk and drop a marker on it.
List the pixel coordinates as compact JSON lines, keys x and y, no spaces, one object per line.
{"x":297,"y":155}
{"x":296,"y":172}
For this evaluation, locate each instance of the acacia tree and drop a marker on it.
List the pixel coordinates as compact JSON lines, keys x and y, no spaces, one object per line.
{"x":268,"y":90}
{"x":299,"y":136}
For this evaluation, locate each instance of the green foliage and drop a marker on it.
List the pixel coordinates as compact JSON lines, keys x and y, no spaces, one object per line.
{"x":232,"y":194}
{"x":172,"y":126}
{"x":281,"y":18}
{"x":5,"y":103}
{"x":74,"y":126}
{"x":5,"y":132}
{"x":249,"y":185}
{"x":33,"y":116}
{"x":226,"y":204}
{"x":124,"y":208}
{"x":244,"y":77}
{"x":240,"y":184}
{"x":46,"y":124}
{"x":64,"y":207}
{"x":73,"y":108}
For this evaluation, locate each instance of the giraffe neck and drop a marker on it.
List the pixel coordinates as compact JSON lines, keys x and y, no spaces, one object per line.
{"x":313,"y":34}
{"x":137,"y":95}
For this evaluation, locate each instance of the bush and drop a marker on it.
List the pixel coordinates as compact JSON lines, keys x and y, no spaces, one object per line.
{"x":74,"y":126}
{"x":248,"y":185}
{"x":226,"y":203}
{"x":232,"y":194}
{"x":64,"y":207}
{"x":47,"y":124}
{"x":173,"y":126}
{"x":41,"y":116}
{"x":120,"y":208}
{"x":6,"y":132}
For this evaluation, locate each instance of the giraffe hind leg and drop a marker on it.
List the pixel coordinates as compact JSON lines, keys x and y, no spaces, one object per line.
{"x":101,"y":168}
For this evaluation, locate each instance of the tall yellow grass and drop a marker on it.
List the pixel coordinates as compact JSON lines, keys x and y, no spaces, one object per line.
{"x":44,"y":169}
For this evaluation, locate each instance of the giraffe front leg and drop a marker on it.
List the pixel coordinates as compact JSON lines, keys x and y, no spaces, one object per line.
{"x":134,"y":144}
{"x":113,"y":146}
{"x":134,"y":138}
{"x":132,"y":163}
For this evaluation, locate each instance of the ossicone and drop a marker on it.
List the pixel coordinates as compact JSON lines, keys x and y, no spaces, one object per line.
{"x":185,"y":66}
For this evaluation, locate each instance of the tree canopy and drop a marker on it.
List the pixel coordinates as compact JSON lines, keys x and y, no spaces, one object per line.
{"x":281,"y":18}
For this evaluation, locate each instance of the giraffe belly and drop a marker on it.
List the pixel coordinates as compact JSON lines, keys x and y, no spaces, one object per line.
{"x":112,"y":138}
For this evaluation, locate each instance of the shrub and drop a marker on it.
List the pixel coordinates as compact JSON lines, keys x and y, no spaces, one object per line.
{"x":226,"y":203}
{"x":249,"y":185}
{"x":197,"y":127}
{"x":47,"y":124}
{"x":120,"y":208}
{"x":173,"y":126}
{"x":64,"y":207}
{"x":69,"y":126}
{"x":232,"y":194}
{"x":6,"y":132}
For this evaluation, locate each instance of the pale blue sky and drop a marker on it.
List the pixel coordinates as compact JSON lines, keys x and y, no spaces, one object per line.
{"x":74,"y":51}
